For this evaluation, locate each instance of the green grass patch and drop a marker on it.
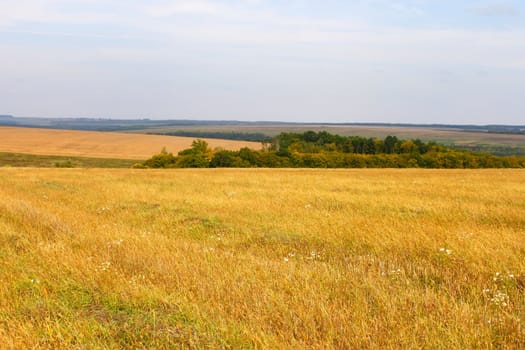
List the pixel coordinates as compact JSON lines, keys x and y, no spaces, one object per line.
{"x":48,"y":161}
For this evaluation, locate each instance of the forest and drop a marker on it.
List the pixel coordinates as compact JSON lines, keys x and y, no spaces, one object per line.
{"x":324,"y":150}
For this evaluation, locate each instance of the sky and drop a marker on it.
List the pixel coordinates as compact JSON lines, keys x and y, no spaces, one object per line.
{"x":399,"y":61}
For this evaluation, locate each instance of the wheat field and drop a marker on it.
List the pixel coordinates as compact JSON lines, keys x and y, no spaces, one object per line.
{"x":268,"y":259}
{"x":96,"y":144}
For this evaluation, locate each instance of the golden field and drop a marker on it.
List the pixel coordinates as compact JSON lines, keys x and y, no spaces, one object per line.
{"x":271,"y":259}
{"x":100,"y":144}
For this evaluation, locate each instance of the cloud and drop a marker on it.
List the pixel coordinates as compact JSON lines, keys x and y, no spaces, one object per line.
{"x":492,"y":10}
{"x":49,"y":11}
{"x":187,"y":7}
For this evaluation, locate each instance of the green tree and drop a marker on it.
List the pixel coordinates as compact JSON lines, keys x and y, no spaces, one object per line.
{"x":198,"y":156}
{"x":408,"y":147}
{"x":161,"y":160}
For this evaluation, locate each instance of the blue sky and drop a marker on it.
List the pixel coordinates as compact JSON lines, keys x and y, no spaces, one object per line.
{"x":419,"y":61}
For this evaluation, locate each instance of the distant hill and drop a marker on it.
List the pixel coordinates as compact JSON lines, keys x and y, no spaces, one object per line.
{"x":7,"y":120}
{"x":494,"y":139}
{"x":108,"y":124}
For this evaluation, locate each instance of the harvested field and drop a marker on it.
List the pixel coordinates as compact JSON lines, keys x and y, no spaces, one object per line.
{"x":99,"y":144}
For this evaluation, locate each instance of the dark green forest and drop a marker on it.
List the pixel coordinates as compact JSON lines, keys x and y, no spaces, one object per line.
{"x":324,"y":150}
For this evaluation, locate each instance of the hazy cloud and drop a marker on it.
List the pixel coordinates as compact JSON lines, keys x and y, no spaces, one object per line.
{"x":51,"y":11}
{"x":495,"y":10}
{"x":185,"y":7}
{"x":256,"y":59}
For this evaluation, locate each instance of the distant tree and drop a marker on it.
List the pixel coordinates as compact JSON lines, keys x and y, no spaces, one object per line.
{"x":229,"y":159}
{"x":323,"y":150}
{"x":198,"y":156}
{"x":161,"y":160}
{"x":250,"y":157}
{"x":408,"y":147}
{"x":390,"y":144}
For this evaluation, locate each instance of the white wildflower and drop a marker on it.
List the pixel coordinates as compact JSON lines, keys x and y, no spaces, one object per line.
{"x":104,"y":266}
{"x":115,"y":243}
{"x":445,"y":250}
{"x":137,"y":278}
{"x":314,"y":256}
{"x":500,"y":299}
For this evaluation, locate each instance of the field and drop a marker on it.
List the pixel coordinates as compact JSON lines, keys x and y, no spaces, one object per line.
{"x":344,"y":259}
{"x":99,"y":144}
{"x":501,"y":144}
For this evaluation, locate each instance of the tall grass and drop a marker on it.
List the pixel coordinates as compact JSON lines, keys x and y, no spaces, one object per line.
{"x":262,"y":259}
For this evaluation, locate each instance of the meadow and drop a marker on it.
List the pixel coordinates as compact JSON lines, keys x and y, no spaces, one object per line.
{"x":259,"y":258}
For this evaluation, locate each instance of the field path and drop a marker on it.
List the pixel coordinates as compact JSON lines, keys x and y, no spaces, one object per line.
{"x":100,"y":144}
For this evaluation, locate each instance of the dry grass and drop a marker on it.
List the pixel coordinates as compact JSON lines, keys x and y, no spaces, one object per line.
{"x":99,"y":144}
{"x":262,"y":259}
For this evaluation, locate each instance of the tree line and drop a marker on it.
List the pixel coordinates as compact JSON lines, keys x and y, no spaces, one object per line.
{"x":223,"y":135}
{"x":324,"y":150}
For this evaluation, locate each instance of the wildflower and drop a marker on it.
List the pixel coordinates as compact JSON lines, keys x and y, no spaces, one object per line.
{"x":465,"y":235}
{"x":285,"y":259}
{"x":217,"y":236}
{"x":500,"y":299}
{"x":136,"y":278}
{"x":496,"y":277}
{"x":445,"y":250}
{"x":314,"y":256}
{"x":104,"y":266}
{"x":115,"y":243}
{"x":307,"y":206}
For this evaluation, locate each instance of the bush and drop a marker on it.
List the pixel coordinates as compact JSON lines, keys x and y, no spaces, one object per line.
{"x":161,"y":160}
